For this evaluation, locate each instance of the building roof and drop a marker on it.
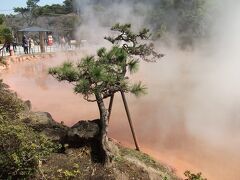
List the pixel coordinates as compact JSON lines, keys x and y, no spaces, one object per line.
{"x":34,"y":29}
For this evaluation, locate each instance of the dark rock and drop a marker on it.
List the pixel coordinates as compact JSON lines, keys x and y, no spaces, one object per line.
{"x":83,"y":133}
{"x":28,"y":105}
{"x":85,"y":129}
{"x":56,"y":133}
{"x":41,"y":119}
{"x":44,"y":123}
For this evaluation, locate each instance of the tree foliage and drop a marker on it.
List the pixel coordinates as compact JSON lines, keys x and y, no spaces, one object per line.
{"x":30,"y":12}
{"x":1,"y":19}
{"x":106,"y":72}
{"x":101,"y":76}
{"x":32,"y":3}
{"x":56,"y":9}
{"x":5,"y":32}
{"x":133,"y":43}
{"x":68,"y":6}
{"x":6,"y":35}
{"x":51,"y":10}
{"x":185,"y":18}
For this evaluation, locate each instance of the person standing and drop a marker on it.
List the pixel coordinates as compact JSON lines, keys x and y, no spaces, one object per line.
{"x":31,"y":45}
{"x":14,"y":43}
{"x":25,"y":44}
{"x":62,"y":41}
{"x":8,"y":47}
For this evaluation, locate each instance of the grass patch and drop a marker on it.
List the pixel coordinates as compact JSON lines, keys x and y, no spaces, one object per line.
{"x":145,"y":158}
{"x":166,"y":172}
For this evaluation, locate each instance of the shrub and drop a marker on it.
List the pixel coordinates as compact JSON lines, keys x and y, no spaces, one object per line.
{"x":69,"y":174}
{"x":21,"y":150}
{"x":10,"y":105}
{"x":192,"y":176}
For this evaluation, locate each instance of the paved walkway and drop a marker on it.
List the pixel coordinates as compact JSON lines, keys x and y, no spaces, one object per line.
{"x":36,"y":49}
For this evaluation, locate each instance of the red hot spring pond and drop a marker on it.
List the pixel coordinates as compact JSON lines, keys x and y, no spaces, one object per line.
{"x":172,"y":122}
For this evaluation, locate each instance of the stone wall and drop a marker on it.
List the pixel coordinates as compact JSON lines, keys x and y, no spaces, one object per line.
{"x":6,"y":61}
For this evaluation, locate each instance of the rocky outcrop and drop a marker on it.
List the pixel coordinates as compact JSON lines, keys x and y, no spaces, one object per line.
{"x":87,"y":134}
{"x":40,"y":120}
{"x":85,"y":129}
{"x":83,"y":133}
{"x":28,"y":105}
{"x":44,"y":123}
{"x":8,"y":60}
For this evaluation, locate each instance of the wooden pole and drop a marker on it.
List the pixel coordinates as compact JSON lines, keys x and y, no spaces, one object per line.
{"x":110,"y":107}
{"x":42,"y":43}
{"x":130,"y":120}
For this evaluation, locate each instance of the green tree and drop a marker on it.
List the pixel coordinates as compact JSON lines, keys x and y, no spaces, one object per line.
{"x":189,"y":19}
{"x":1,"y":19}
{"x":5,"y":32}
{"x":99,"y":77}
{"x":29,"y":13}
{"x":68,"y":5}
{"x":134,"y":44}
{"x":6,"y":35}
{"x":32,"y":3}
{"x":51,"y":10}
{"x":56,"y":9}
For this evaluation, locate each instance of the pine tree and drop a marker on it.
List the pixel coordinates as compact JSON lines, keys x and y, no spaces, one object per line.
{"x":30,"y":12}
{"x":101,"y":76}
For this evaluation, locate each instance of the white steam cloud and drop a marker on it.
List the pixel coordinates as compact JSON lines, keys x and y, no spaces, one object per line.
{"x":211,"y":71}
{"x":97,"y":20}
{"x":194,"y":96}
{"x":215,"y":101}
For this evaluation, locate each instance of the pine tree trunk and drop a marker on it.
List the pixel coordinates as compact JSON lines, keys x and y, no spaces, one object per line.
{"x":105,"y":149}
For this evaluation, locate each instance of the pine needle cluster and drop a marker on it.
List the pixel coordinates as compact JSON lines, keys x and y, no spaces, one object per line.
{"x":106,"y":73}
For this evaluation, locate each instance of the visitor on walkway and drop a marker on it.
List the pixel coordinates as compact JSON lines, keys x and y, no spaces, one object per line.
{"x":31,"y":45}
{"x":7,"y":47}
{"x":62,"y":42}
{"x":14,"y":43}
{"x":25,"y":44}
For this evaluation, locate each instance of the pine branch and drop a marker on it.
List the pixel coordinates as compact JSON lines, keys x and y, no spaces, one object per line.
{"x":138,"y":89}
{"x":132,"y":45}
{"x":133,"y":65}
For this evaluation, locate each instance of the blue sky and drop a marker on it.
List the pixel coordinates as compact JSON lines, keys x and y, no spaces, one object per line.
{"x":6,"y":6}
